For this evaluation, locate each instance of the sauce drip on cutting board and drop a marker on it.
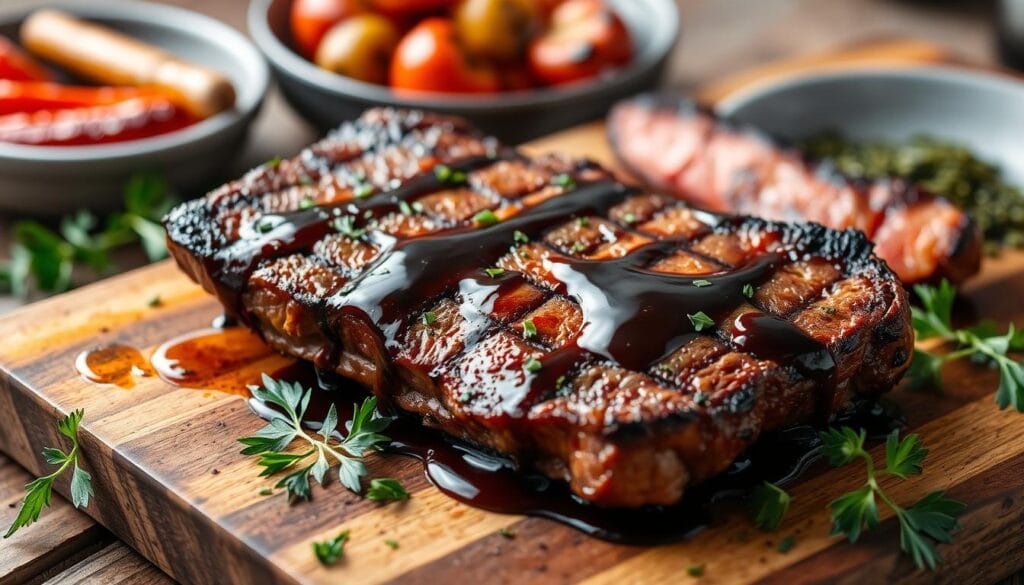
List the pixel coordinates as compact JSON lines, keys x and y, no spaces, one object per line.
{"x":115,"y":364}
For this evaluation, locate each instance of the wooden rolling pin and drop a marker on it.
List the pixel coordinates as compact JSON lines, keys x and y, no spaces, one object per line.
{"x":103,"y":55}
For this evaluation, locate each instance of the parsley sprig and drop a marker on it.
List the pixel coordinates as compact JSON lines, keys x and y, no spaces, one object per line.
{"x":933,"y":320}
{"x":48,"y":258}
{"x":364,"y":435}
{"x":40,"y":490}
{"x":768,"y":505}
{"x":930,"y":520}
{"x":330,"y":551}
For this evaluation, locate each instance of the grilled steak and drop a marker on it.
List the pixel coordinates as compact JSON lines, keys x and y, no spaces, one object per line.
{"x":683,"y":149}
{"x":615,"y":339}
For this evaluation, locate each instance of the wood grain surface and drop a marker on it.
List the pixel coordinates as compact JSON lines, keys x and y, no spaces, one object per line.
{"x":170,"y":482}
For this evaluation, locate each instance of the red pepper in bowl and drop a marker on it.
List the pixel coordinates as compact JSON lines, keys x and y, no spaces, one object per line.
{"x":17,"y":66}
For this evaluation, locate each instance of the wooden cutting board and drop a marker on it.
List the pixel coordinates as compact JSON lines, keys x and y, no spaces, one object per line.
{"x":170,"y":482}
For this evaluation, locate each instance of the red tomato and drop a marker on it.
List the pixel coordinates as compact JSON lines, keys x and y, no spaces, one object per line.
{"x":429,"y":58}
{"x":311,"y":19}
{"x":585,"y":37}
{"x":408,"y":7}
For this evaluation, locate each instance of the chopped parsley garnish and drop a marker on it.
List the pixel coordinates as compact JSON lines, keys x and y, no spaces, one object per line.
{"x":485,"y":218}
{"x":362,"y":191}
{"x":520,"y":238}
{"x":583,"y":222}
{"x":346,"y":226}
{"x":695,"y":570}
{"x":494,"y":271}
{"x":748,"y":291}
{"x":532,"y":365}
{"x":563,"y":180}
{"x":307,"y":203}
{"x":266,"y":224}
{"x":386,"y":490}
{"x":507,"y":533}
{"x":529,"y":329}
{"x":391,"y":543}
{"x":786,"y":544}
{"x":267,"y":491}
{"x":578,"y":247}
{"x":701,"y":283}
{"x":700,"y":321}
{"x":330,"y":551}
{"x":629,"y":218}
{"x":38,"y":492}
{"x":405,"y":208}
{"x":930,"y":520}
{"x":273,"y":163}
{"x":446,"y":174}
{"x":156,"y":301}
{"x":429,"y":317}
{"x":768,"y":505}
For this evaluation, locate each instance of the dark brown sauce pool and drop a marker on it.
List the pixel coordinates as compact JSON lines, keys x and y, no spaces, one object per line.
{"x":232,"y":358}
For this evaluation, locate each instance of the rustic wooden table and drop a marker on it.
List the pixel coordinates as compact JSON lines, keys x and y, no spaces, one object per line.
{"x":719,"y":37}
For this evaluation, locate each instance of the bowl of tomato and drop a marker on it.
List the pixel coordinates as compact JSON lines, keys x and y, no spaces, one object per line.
{"x":516,"y":68}
{"x":69,"y":142}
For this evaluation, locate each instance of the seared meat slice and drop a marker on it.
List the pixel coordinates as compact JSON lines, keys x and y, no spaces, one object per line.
{"x":614,"y":339}
{"x":684,"y":150}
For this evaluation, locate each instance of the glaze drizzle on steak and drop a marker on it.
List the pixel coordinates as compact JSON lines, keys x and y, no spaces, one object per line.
{"x":682,"y":149}
{"x":615,"y":339}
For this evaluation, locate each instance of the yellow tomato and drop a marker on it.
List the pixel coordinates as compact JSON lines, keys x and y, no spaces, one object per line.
{"x":497,"y":29}
{"x":359,"y":47}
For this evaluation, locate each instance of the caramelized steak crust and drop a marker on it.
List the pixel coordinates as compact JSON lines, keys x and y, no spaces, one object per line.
{"x":612,"y":338}
{"x":682,"y":149}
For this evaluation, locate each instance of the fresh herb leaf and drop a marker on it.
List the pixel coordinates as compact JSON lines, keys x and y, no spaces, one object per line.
{"x":932,"y":519}
{"x":429,"y":318}
{"x":405,"y":208}
{"x":529,"y":329}
{"x":364,"y":435}
{"x":362,"y":191}
{"x":768,"y":506}
{"x":748,"y":291}
{"x":577,"y":247}
{"x":391,"y":543}
{"x":981,"y":343}
{"x":629,"y":218}
{"x":904,"y":458}
{"x":307,"y":203}
{"x":386,"y":490}
{"x":39,"y":491}
{"x":700,"y":321}
{"x":155,"y":301}
{"x":583,"y":222}
{"x":786,"y":544}
{"x":330,"y":551}
{"x":695,"y":570}
{"x":520,"y":238}
{"x":485,"y":218}
{"x":494,"y":272}
{"x":701,"y":283}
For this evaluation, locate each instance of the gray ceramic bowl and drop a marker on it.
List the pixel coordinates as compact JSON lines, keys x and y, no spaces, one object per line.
{"x":326,"y":99}
{"x":52,"y":180}
{"x":982,"y":111}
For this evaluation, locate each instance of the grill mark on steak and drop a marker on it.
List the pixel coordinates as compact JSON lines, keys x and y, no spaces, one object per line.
{"x":628,"y":415}
{"x":683,"y":149}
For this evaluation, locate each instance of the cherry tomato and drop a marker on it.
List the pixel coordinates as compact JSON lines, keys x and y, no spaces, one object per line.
{"x":429,"y":58}
{"x":402,"y":8}
{"x":17,"y":66}
{"x":359,"y":47}
{"x":497,"y":29}
{"x":311,"y":19}
{"x":585,"y":37}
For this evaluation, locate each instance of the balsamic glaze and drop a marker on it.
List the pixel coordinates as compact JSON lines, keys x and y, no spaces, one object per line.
{"x":495,"y":483}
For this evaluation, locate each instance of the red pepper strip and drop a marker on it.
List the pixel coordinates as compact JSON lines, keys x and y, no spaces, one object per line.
{"x":131,"y":119}
{"x":33,"y":96}
{"x":18,"y":66}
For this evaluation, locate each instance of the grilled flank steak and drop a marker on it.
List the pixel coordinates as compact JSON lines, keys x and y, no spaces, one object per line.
{"x":682,"y":149}
{"x":616,"y":339}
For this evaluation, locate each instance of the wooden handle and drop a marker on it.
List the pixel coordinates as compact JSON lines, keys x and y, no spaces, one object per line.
{"x":100,"y":54}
